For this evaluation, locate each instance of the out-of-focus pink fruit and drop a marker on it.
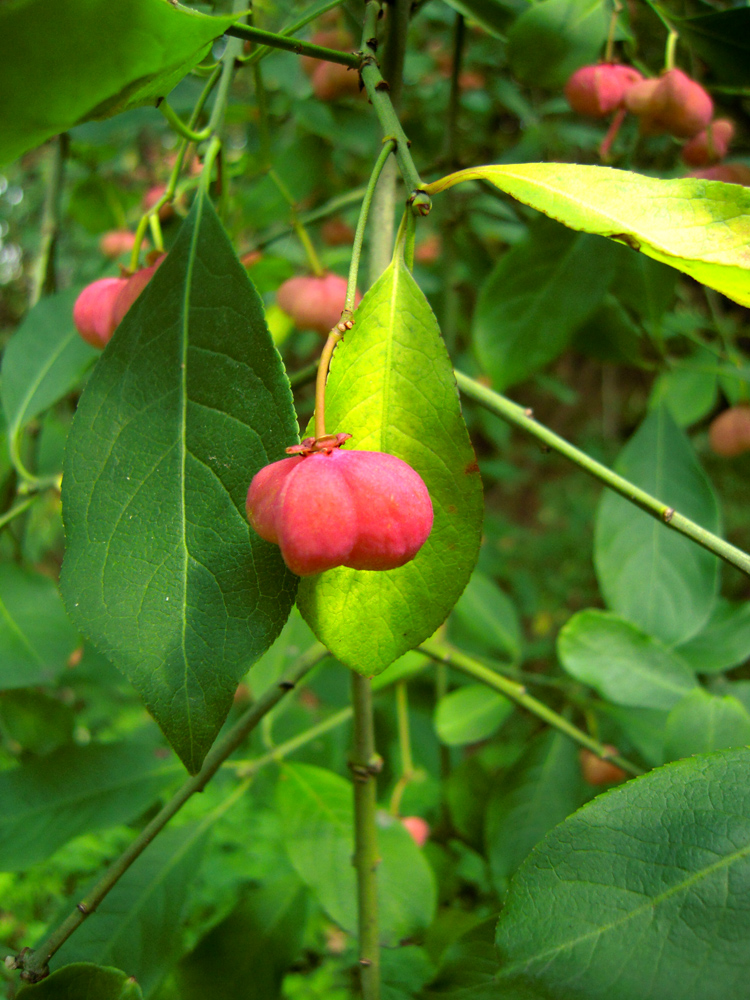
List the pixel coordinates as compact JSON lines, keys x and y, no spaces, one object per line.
{"x":598,"y":90}
{"x":729,"y":433}
{"x":94,"y":310}
{"x":638,"y":97}
{"x":418,"y":828}
{"x":678,"y":105}
{"x":729,"y":173}
{"x":337,"y":233}
{"x":325,"y":507}
{"x":132,"y":288}
{"x":600,"y":772}
{"x":314,"y":303}
{"x":428,"y":251}
{"x":151,"y":197}
{"x":116,"y":243}
{"x":331,"y":38}
{"x":471,"y":79}
{"x":710,"y":145}
{"x":330,"y":81}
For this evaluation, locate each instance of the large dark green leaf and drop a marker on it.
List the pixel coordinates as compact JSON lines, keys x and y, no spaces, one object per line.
{"x":317,"y":815}
{"x":162,"y":571}
{"x":64,"y":63}
{"x":650,"y":575}
{"x":73,"y":791}
{"x":536,"y":298}
{"x":36,"y":637}
{"x":137,"y":925}
{"x":645,"y":892}
{"x":722,"y":39}
{"x":392,"y":387}
{"x":84,"y":981}
{"x":554,"y":37}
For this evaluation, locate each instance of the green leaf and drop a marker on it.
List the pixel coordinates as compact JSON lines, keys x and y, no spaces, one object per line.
{"x":470,"y":714}
{"x":133,"y":51}
{"x":622,"y":663}
{"x":468,"y":968}
{"x":317,"y":816}
{"x":162,"y":571}
{"x":402,"y":669}
{"x":75,"y":790}
{"x":45,"y":358}
{"x":689,"y":394}
{"x":702,"y":722}
{"x":643,"y":727}
{"x":542,"y":789}
{"x":553,"y":38}
{"x":83,"y":980}
{"x":34,"y":721}
{"x":392,"y":387}
{"x":36,"y":637}
{"x":537,"y":296}
{"x":646,"y":287}
{"x":246,"y":956}
{"x":654,"y":577}
{"x":700,"y":227}
{"x":645,"y":892}
{"x":492,"y":15}
{"x":722,"y":40}
{"x":485,"y":617}
{"x":723,"y":643}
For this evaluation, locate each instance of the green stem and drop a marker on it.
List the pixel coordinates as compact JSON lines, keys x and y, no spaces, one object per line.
{"x":264,"y":50}
{"x":404,"y":743}
{"x":672,"y":38}
{"x":366,"y":858}
{"x":179,"y":126}
{"x":251,"y":767}
{"x":443,"y":653}
{"x":394,"y":49}
{"x":45,"y":281}
{"x":351,"y":289}
{"x":314,"y":215}
{"x":380,"y":247}
{"x":35,"y":965}
{"x":298,"y":226}
{"x":9,"y":515}
{"x":451,"y":131}
{"x":667,"y":515}
{"x":276,"y":41}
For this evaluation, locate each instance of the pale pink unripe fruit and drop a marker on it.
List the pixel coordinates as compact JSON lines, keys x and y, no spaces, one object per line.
{"x":361,"y":509}
{"x":598,"y":90}
{"x":418,"y":828}
{"x":729,"y":173}
{"x":132,"y":288}
{"x":116,"y":243}
{"x":94,"y":310}
{"x":314,"y":303}
{"x":729,"y":433}
{"x":678,"y":105}
{"x":710,"y":145}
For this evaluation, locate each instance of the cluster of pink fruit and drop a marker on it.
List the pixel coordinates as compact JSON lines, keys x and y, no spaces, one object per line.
{"x":671,"y":104}
{"x":102,"y":305}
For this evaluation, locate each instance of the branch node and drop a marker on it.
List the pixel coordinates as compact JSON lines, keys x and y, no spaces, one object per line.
{"x":668,"y":514}
{"x":83,"y":909}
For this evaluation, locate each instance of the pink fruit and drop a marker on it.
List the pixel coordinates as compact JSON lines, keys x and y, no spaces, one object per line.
{"x":710,"y":145}
{"x":598,"y":90}
{"x":337,"y":233}
{"x":418,"y":828}
{"x":326,"y":507}
{"x":116,"y":243}
{"x":330,"y":81}
{"x":678,"y":105}
{"x":132,"y":288}
{"x":314,"y":303}
{"x":428,"y":251}
{"x":93,"y":312}
{"x":729,"y":433}
{"x":729,"y":173}
{"x":638,"y":97}
{"x":600,"y":772}
{"x":151,"y":197}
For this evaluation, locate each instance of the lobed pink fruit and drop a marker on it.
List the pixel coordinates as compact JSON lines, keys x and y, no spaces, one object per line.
{"x":117,"y":242}
{"x":132,"y":288}
{"x":314,"y":303}
{"x":418,"y":828}
{"x":710,"y":145}
{"x":93,"y":312}
{"x":729,"y":173}
{"x":729,"y":433}
{"x":598,"y":90}
{"x":361,"y":509}
{"x":678,"y":105}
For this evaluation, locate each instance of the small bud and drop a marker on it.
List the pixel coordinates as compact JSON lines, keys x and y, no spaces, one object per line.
{"x":710,"y":145}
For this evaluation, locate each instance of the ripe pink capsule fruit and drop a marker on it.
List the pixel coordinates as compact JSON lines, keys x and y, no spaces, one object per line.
{"x":132,"y":288}
{"x":326,"y":507}
{"x":116,"y":242}
{"x":314,"y":303}
{"x":94,"y":310}
{"x":598,"y":90}
{"x":678,"y":105}
{"x":710,"y":145}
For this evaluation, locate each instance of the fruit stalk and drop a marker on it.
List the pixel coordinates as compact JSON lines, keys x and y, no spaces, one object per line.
{"x":366,"y":859}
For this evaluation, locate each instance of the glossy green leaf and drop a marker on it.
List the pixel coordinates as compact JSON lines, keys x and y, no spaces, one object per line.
{"x":700,"y":227}
{"x":622,"y":663}
{"x":722,"y":40}
{"x":246,"y":956}
{"x":723,"y":643}
{"x":468,"y":968}
{"x":554,"y":37}
{"x":84,"y":981}
{"x":137,"y":925}
{"x":702,"y":722}
{"x":392,"y":387}
{"x":654,"y":577}
{"x":162,"y":571}
{"x":75,"y":790}
{"x":645,"y":892}
{"x":45,"y":358}
{"x":317,"y":817}
{"x":542,"y":789}
{"x":36,"y":637}
{"x":404,"y":971}
{"x":487,"y":618}
{"x":470,"y":714}
{"x":133,"y":51}
{"x":537,"y":296}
